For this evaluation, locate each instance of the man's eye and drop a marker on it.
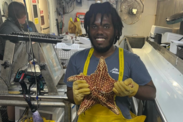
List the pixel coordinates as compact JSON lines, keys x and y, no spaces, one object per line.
{"x":94,"y":26}
{"x":106,"y":26}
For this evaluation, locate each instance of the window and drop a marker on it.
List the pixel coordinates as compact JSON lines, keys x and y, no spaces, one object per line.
{"x":35,"y":11}
{"x":42,"y":20}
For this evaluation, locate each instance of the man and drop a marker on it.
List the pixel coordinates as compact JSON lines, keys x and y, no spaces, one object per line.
{"x":15,"y":22}
{"x":104,"y":27}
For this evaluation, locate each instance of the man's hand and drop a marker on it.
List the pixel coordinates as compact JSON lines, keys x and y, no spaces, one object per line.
{"x":80,"y":89}
{"x":126,"y":88}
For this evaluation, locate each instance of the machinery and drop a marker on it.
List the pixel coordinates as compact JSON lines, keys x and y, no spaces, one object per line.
{"x":34,"y":83}
{"x":176,"y":46}
{"x":35,"y":78}
{"x":22,"y":75}
{"x":166,"y":71}
{"x":50,"y":68}
{"x":37,"y":37}
{"x":176,"y":18}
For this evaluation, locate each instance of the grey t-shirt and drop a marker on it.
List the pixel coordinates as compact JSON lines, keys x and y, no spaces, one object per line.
{"x":133,"y":68}
{"x":32,"y":27}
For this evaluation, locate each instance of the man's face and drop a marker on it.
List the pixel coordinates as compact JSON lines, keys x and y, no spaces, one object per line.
{"x":22,"y":20}
{"x":101,"y":34}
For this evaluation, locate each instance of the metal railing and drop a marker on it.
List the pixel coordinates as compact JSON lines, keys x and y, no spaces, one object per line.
{"x":44,"y":101}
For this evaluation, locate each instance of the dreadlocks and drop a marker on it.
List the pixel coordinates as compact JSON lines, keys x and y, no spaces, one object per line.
{"x":104,"y":9}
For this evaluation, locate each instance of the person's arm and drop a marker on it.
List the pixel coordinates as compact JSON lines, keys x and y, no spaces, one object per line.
{"x":140,"y":75}
{"x":139,"y":84}
{"x":131,"y":88}
{"x":70,"y":71}
{"x":70,"y":94}
{"x":76,"y":90}
{"x":146,"y":92}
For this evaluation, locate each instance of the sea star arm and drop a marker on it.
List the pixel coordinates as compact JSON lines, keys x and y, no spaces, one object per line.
{"x":87,"y":103}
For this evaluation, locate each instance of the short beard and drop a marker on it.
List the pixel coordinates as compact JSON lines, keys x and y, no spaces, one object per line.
{"x":105,"y":49}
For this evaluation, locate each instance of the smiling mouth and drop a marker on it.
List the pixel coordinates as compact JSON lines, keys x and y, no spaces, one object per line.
{"x":100,"y":39}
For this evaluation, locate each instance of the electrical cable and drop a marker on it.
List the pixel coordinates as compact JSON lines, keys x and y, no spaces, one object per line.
{"x":32,"y":52}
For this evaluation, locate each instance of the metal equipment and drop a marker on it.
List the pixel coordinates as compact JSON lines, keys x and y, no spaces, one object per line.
{"x":155,"y":30}
{"x":47,"y":58}
{"x":22,"y":75}
{"x":36,"y":37}
{"x":166,"y":71}
{"x":18,"y":68}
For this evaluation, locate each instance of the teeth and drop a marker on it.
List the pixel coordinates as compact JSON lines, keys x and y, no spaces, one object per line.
{"x":100,"y":39}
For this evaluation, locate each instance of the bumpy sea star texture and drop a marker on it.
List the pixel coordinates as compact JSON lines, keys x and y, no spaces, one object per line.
{"x":101,"y":85}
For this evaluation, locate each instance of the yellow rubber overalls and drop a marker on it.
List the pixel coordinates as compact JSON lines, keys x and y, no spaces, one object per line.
{"x":99,"y":113}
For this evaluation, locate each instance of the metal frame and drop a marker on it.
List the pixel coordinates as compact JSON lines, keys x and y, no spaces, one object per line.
{"x":8,"y":57}
{"x":15,"y":60}
{"x":50,"y":81}
{"x":135,"y":106}
{"x":45,"y":101}
{"x":160,"y":111}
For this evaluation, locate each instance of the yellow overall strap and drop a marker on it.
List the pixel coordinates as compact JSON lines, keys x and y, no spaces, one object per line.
{"x":87,"y":62}
{"x":121,"y":63}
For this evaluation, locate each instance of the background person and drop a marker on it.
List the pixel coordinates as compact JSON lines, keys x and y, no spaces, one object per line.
{"x":15,"y":22}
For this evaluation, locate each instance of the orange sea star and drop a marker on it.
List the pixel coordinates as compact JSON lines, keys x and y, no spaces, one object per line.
{"x":101,"y":85}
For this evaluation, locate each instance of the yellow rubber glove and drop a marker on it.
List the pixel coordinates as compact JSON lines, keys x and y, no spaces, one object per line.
{"x":80,"y":89}
{"x":126,"y":88}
